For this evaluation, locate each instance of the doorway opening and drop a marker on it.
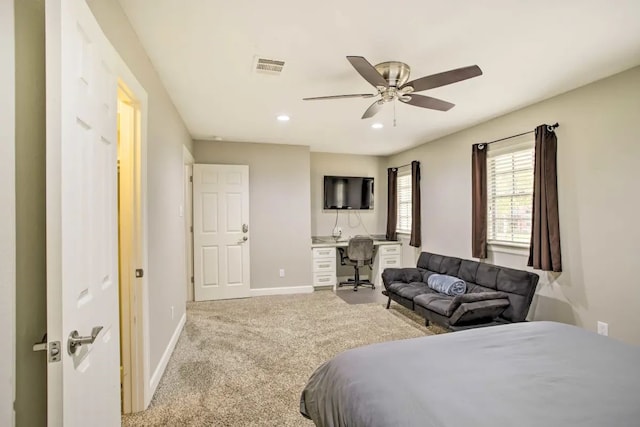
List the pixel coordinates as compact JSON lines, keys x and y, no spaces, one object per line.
{"x":130,"y":248}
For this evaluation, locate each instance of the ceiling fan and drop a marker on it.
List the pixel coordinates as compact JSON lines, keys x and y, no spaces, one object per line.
{"x":390,"y":80}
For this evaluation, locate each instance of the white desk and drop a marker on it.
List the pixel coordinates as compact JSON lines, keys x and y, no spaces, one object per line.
{"x":387,"y":255}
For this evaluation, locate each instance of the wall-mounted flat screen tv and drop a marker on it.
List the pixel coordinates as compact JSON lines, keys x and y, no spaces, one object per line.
{"x":348,"y":192}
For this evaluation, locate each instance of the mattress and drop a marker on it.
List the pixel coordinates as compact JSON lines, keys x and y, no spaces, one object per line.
{"x":523,"y":374}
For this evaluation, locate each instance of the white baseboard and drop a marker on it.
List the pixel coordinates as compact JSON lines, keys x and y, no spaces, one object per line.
{"x":282,"y":291}
{"x":157,"y":374}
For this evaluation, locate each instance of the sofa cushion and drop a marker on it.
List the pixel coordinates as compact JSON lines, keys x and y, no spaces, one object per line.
{"x":487,"y":275}
{"x":450,"y":266}
{"x":440,"y":303}
{"x":518,"y":284}
{"x":426,"y":274}
{"x":468,"y":270}
{"x":434,"y":262}
{"x":410,"y":290}
{"x":408,"y":275}
{"x":423,"y":260}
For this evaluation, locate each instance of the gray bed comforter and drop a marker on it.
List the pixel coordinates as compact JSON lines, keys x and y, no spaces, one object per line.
{"x":518,"y":375}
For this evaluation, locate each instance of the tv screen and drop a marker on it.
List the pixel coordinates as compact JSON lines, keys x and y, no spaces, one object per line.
{"x":348,"y":192}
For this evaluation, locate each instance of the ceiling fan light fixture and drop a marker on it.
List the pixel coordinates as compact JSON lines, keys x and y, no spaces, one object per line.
{"x":377,"y":125}
{"x":283,"y":118}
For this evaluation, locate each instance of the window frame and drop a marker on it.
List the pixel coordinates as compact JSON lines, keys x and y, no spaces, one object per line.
{"x":402,"y":176}
{"x":523,"y":143}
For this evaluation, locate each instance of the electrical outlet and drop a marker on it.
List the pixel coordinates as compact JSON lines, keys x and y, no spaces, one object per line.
{"x":603,"y":328}
{"x":172,"y":312}
{"x":282,"y":272}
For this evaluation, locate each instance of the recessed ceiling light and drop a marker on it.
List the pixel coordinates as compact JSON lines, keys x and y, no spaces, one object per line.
{"x":377,"y":125}
{"x":283,"y":118}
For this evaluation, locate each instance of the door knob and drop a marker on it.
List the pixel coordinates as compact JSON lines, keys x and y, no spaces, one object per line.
{"x":244,"y":239}
{"x":75,"y":340}
{"x":245,"y":228}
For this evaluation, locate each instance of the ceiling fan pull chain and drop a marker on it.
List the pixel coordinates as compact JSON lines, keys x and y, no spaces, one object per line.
{"x":394,"y":113}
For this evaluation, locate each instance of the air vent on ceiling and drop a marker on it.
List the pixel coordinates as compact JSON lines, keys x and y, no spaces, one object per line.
{"x":269,"y":66}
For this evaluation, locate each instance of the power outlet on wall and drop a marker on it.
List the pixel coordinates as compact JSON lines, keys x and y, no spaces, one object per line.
{"x":282,"y":272}
{"x":603,"y":328}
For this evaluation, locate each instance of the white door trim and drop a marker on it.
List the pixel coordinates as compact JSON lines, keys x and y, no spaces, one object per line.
{"x":142,"y":395}
{"x":7,"y":213}
{"x":187,"y":209}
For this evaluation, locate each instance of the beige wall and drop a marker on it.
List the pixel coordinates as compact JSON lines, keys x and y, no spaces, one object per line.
{"x":7,"y":212}
{"x":279,"y":207}
{"x":31,"y":262}
{"x":166,"y":135}
{"x":598,"y":175}
{"x":322,"y":222}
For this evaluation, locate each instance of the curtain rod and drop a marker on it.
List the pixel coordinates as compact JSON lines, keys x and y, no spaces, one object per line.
{"x":549,"y":127}
{"x":403,"y":166}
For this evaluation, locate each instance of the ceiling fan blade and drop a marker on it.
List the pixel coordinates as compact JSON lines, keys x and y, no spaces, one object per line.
{"x":429,"y":102}
{"x":445,"y":78}
{"x":355,"y":95}
{"x":372,"y":110}
{"x":367,"y":71}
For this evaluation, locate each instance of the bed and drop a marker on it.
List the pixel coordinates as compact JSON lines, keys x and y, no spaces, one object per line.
{"x":523,"y":374}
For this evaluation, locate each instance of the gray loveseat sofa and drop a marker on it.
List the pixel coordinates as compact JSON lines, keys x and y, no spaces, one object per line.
{"x":494,"y":295}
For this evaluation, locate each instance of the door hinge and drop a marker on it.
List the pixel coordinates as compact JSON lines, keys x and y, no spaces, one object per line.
{"x":139,"y":273}
{"x":191,"y":178}
{"x":191,"y":228}
{"x":192,"y":279}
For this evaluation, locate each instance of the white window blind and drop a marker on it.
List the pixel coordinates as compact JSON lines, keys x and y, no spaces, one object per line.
{"x":404,"y":203}
{"x":510,"y":192}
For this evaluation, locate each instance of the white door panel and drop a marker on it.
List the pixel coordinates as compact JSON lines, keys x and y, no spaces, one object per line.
{"x":221,"y":235}
{"x":82,"y":246}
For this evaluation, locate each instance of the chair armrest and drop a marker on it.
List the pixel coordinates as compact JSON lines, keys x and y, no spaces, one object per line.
{"x":470,"y":311}
{"x":406,"y":275}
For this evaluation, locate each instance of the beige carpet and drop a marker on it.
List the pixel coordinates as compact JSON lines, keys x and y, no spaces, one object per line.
{"x":245,"y":362}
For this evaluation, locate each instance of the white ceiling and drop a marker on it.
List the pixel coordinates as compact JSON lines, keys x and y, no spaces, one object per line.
{"x":528,"y":50}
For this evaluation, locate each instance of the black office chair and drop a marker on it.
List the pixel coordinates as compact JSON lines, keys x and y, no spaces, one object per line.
{"x":359,"y":253}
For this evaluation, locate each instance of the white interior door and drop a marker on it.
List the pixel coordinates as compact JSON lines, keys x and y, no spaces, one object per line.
{"x":221,"y":231}
{"x":82,"y":267}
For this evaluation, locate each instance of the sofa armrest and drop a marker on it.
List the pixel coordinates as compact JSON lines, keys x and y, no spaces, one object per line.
{"x":487,"y":309}
{"x":479,"y":296}
{"x":406,"y":275}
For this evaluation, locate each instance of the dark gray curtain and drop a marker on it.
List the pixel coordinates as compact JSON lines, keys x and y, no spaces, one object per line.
{"x":416,"y":232}
{"x":392,"y":203}
{"x":479,"y":201}
{"x":544,"y":251}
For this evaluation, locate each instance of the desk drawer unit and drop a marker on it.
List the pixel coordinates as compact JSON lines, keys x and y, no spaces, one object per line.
{"x":389,"y":262}
{"x":389,"y":249}
{"x":324,"y":266}
{"x":324,"y":279}
{"x":389,"y":256}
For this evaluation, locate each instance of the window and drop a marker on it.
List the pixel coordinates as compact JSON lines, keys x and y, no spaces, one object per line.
{"x":404,"y":203}
{"x":510,"y":193}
